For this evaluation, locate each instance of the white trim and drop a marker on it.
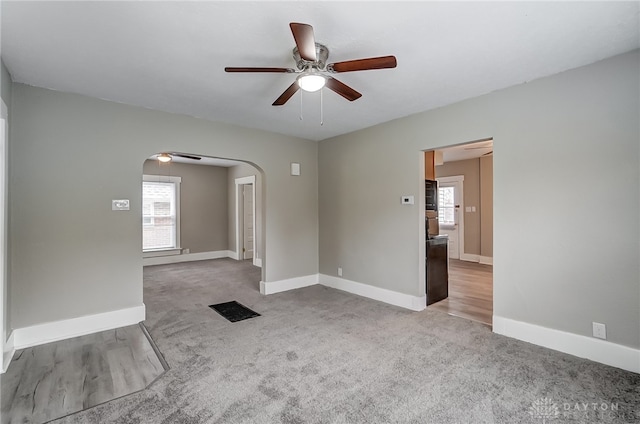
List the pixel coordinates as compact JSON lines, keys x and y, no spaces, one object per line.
{"x":271,"y":287}
{"x":458,"y":179}
{"x":163,"y":252}
{"x":161,"y":178}
{"x":251,"y":179}
{"x":257,"y":262}
{"x":59,"y":330}
{"x":233,"y":254}
{"x":7,"y":354}
{"x":414,"y":303}
{"x":5,"y":345}
{"x":187,"y":257}
{"x":469,"y":257}
{"x":147,"y":178}
{"x":591,"y":348}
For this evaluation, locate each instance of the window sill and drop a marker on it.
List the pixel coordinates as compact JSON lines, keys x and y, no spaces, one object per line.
{"x":160,"y":252}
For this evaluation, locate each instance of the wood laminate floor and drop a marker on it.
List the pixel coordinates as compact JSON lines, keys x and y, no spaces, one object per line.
{"x":57,"y":379}
{"x":470,"y":292}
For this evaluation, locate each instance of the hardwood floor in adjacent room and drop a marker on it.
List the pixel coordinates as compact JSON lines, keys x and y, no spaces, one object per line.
{"x":470,"y":292}
{"x":50,"y":381}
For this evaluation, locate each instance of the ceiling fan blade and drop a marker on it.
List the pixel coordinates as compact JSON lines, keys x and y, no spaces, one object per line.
{"x":381,"y":62}
{"x":186,"y":156}
{"x":305,"y":41}
{"x":284,"y":97}
{"x":342,"y":89}
{"x":280,"y":70}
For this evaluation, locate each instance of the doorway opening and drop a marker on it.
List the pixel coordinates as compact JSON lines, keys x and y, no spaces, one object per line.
{"x":464,"y":175}
{"x":190,"y":209}
{"x":245,"y":200}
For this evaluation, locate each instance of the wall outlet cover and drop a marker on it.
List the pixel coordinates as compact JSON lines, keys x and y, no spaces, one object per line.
{"x":408,"y":200}
{"x":599,"y":330}
{"x":120,"y":205}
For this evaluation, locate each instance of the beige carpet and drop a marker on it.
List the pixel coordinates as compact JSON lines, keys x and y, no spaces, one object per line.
{"x":318,"y":355}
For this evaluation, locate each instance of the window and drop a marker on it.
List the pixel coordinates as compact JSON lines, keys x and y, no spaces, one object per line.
{"x":160,"y":213}
{"x":446,"y":206}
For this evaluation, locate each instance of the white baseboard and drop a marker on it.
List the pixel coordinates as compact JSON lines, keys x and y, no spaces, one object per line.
{"x":469,"y":257}
{"x":414,"y":303}
{"x":7,"y":355}
{"x":271,"y":287}
{"x":74,"y":327}
{"x":233,"y":255}
{"x":257,"y":262}
{"x":597,"y":350}
{"x":188,"y":257}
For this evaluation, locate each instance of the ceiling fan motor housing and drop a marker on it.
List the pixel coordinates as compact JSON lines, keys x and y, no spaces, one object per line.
{"x":322,"y":53}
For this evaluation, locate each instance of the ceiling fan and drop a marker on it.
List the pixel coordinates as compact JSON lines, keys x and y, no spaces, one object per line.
{"x":168,"y":156}
{"x":313,"y":70}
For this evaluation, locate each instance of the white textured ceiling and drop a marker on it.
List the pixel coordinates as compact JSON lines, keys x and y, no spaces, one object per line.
{"x":171,"y":55}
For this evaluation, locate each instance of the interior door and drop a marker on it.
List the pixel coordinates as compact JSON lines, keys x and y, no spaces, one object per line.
{"x":247,"y":217}
{"x":449,"y":201}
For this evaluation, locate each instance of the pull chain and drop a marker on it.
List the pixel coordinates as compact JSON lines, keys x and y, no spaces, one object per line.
{"x":301,"y":104}
{"x":321,"y":108}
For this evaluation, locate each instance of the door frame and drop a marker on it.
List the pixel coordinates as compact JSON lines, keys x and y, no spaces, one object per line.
{"x":6,"y":340}
{"x":239,"y":182}
{"x":459,"y":179}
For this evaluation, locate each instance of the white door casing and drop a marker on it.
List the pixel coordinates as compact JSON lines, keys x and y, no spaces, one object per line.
{"x":247,"y":220}
{"x":6,"y":350}
{"x":455,"y":231}
{"x":240,"y":183}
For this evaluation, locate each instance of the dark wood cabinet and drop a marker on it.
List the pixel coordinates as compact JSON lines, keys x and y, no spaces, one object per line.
{"x":437,"y":269}
{"x":431,"y":195}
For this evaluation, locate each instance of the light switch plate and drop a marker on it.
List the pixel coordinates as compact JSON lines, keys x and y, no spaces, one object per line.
{"x":408,"y":200}
{"x":120,"y":205}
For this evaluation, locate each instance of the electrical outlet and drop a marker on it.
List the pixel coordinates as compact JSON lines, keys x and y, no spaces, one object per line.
{"x":599,"y":330}
{"x":408,"y":200}
{"x":339,"y":271}
{"x":120,"y":205}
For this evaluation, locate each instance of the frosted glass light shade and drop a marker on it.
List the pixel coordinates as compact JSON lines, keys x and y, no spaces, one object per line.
{"x":311,"y":82}
{"x":164,"y":157}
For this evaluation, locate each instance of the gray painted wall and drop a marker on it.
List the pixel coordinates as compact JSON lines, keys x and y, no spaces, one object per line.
{"x":560,"y":273}
{"x":5,"y":82}
{"x":486,"y":206}
{"x":71,"y":255}
{"x":245,"y":170}
{"x":203,"y":204}
{"x":478,"y":192}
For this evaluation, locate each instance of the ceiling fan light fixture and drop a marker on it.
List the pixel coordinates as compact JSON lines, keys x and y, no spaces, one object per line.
{"x":164,"y":157}
{"x":311,"y":82}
